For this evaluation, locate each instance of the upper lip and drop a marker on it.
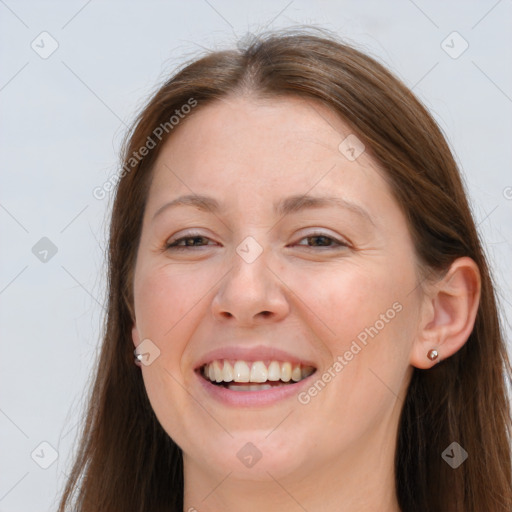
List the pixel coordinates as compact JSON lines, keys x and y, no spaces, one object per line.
{"x":252,"y":354}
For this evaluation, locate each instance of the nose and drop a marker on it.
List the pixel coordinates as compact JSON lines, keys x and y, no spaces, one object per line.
{"x":250,"y":293}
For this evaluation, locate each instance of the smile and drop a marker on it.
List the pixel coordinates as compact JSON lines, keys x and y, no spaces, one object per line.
{"x":241,"y":375}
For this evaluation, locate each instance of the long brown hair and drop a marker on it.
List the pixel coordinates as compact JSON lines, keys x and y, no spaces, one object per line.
{"x":126,"y":461}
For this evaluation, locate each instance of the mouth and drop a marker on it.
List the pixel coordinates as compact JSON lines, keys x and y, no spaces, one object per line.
{"x":252,"y":376}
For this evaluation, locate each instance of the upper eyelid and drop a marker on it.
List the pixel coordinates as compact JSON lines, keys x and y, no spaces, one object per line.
{"x":318,"y":232}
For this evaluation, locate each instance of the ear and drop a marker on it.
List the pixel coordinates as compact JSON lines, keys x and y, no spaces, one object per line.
{"x":135,"y":336}
{"x":447,"y":313}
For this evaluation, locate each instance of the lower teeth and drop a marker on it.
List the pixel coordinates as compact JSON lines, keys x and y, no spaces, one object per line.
{"x":253,"y":387}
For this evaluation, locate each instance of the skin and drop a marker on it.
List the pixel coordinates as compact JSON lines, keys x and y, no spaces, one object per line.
{"x":337,"y":451}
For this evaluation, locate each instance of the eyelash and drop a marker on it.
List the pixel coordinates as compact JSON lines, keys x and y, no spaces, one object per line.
{"x":173,"y":247}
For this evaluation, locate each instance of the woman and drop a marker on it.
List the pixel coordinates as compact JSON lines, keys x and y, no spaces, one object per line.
{"x":293,"y":258}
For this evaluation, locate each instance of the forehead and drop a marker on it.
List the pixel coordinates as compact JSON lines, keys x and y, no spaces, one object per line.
{"x":241,"y":127}
{"x":261,"y":148}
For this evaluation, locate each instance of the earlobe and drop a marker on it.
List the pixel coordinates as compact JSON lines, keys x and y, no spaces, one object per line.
{"x":137,"y":358}
{"x":449,"y":314}
{"x":135,"y":336}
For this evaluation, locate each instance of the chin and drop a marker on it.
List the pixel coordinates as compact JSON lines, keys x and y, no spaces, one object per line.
{"x":258,"y":459}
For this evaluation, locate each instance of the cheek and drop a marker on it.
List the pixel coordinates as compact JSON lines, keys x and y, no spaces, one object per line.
{"x":343,"y":302}
{"x":362,"y":315}
{"x":168,"y":303}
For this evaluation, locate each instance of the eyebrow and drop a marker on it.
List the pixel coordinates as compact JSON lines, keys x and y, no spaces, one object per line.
{"x":289,"y":205}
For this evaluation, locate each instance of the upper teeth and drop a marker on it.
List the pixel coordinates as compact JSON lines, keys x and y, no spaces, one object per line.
{"x":242,"y":371}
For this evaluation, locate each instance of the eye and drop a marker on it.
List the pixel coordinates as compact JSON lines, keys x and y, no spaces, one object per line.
{"x":187,"y":242}
{"x":320,"y":239}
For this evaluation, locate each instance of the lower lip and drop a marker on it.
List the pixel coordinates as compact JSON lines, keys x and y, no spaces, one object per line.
{"x":252,"y":398}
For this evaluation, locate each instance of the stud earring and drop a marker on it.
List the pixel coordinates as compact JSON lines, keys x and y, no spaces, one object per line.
{"x":432,"y":354}
{"x":137,"y":358}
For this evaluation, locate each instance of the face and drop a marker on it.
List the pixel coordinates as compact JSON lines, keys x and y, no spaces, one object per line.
{"x":291,"y":284}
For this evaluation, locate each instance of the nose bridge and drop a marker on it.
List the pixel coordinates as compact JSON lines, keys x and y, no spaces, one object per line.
{"x":250,"y":290}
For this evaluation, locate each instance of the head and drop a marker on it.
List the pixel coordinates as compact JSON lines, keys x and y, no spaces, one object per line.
{"x":354,"y":291}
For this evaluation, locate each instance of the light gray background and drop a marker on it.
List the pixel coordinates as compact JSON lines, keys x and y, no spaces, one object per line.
{"x":61,"y":124}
